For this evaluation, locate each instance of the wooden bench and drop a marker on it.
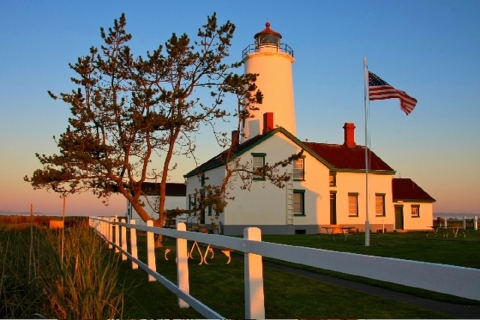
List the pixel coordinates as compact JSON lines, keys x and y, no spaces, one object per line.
{"x":332,"y":230}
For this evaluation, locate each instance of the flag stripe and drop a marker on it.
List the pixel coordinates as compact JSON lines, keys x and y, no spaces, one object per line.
{"x":381,"y":90}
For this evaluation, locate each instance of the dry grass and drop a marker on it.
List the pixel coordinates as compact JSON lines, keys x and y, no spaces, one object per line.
{"x":41,"y":278}
{"x":19,"y":227}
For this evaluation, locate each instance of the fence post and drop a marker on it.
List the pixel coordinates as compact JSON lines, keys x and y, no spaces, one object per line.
{"x":117,"y":234}
{"x":110,"y":232}
{"x":124,"y":242}
{"x":253,"y":273}
{"x":475,"y":223}
{"x":182,"y":265}
{"x":151,"y":251}
{"x":464,"y":223}
{"x":133,"y":243}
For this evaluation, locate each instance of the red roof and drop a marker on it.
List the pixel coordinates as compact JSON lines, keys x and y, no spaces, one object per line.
{"x":343,"y":157}
{"x":173,"y":189}
{"x":336,"y":157}
{"x":267,"y":30}
{"x":406,"y":189}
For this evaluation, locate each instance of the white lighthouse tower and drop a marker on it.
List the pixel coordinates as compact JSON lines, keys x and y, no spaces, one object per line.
{"x":272,"y":60}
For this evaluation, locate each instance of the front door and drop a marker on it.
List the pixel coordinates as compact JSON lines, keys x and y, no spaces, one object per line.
{"x":399,"y":217}
{"x":333,"y":208}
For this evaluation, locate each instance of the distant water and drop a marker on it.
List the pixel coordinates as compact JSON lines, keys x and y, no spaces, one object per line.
{"x":456,"y":215}
{"x":14,"y":213}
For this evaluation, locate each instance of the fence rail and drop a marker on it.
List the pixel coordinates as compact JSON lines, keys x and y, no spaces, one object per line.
{"x":458,"y":281}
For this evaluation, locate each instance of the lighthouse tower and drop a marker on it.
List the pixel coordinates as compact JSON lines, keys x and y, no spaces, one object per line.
{"x":272,"y":60}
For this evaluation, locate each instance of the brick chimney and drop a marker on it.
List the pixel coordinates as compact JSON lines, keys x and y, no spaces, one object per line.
{"x":267,"y":122}
{"x":349,"y":134}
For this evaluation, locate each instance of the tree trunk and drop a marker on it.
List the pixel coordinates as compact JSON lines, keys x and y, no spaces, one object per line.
{"x":156,"y":222}
{"x":158,"y":237}
{"x":158,"y":241}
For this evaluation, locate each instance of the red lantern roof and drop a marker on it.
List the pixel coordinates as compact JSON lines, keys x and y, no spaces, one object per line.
{"x":267,"y":31}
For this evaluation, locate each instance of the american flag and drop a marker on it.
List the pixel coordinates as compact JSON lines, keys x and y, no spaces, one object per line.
{"x":381,"y":90}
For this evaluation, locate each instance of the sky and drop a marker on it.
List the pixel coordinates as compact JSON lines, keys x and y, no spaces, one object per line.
{"x":429,"y":49}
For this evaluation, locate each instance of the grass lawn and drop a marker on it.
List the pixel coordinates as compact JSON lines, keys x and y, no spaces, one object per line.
{"x":458,"y":251}
{"x":417,"y":246}
{"x":287,"y":295}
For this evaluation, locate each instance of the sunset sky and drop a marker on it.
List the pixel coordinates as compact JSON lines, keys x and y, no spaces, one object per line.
{"x":428,"y":48}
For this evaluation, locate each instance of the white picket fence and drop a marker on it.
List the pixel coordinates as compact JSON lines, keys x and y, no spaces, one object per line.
{"x":458,"y":281}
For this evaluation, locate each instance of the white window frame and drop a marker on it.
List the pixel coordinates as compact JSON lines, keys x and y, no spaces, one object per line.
{"x":299,"y":169}
{"x":258,"y":156}
{"x":380,"y":204}
{"x":332,"y":179}
{"x":299,"y":195}
{"x":413,"y":208}
{"x":353,"y":204}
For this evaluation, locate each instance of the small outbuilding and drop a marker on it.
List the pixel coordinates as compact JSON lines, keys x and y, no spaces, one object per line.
{"x":413,"y":206}
{"x":175,"y":198}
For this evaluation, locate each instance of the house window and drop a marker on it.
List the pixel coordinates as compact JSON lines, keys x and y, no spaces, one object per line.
{"x":353,"y":204}
{"x":258,"y":166}
{"x":415,"y":211}
{"x":332,"y":179}
{"x":299,"y":202}
{"x":299,"y":169}
{"x":380,"y":204}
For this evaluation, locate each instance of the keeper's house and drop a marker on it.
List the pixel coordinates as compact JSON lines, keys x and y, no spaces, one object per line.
{"x":327,"y":186}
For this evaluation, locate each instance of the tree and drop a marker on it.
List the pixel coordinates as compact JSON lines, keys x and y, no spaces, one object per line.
{"x":129,"y":109}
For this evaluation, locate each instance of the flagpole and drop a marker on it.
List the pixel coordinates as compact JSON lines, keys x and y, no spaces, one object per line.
{"x":365,"y":100}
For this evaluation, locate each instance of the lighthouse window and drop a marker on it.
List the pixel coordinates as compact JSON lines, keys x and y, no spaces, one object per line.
{"x":268,"y":39}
